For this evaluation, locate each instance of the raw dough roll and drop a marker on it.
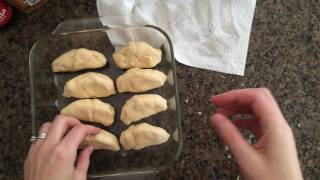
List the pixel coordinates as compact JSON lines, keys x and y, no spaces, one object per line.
{"x":92,"y":110}
{"x":89,"y":85}
{"x":143,"y":135}
{"x":137,"y":54}
{"x":102,"y":140}
{"x":140,"y":80}
{"x":142,"y":106}
{"x":78,"y":59}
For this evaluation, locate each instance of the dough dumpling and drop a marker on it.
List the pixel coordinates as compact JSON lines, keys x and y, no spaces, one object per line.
{"x":89,"y":85}
{"x":78,"y":59}
{"x":143,"y":135}
{"x":92,"y":110}
{"x":102,"y":140}
{"x":142,"y":106}
{"x":137,"y":54}
{"x":140,"y":80}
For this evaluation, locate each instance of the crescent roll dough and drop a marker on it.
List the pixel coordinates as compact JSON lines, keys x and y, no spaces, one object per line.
{"x":102,"y":140}
{"x":92,"y":110}
{"x":143,"y":135}
{"x":89,"y":85}
{"x":142,"y":106}
{"x":78,"y":59}
{"x":140,"y":80}
{"x":137,"y":54}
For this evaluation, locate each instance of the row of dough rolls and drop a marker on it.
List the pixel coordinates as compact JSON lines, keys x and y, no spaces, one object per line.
{"x":136,"y":108}
{"x":96,"y":85}
{"x":135,"y":137}
{"x":136,"y":54}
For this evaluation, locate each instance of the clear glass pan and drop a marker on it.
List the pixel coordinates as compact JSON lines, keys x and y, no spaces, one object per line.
{"x":47,"y":88}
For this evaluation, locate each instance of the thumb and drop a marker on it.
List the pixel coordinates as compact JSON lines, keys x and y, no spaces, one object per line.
{"x":231,"y":136}
{"x":83,"y":163}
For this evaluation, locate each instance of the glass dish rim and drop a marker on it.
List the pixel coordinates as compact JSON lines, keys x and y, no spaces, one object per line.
{"x":104,"y":29}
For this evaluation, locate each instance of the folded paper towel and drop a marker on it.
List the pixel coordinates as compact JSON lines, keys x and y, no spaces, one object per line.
{"x":208,"y":34}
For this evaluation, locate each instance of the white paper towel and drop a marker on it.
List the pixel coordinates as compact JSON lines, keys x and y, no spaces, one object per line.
{"x":208,"y":34}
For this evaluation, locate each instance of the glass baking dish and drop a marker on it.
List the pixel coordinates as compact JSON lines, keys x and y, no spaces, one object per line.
{"x":47,"y":87}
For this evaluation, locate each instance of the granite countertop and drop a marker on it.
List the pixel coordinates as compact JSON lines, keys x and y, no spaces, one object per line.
{"x":284,"y":55}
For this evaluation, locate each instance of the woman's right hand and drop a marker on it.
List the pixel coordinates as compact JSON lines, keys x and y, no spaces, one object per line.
{"x":274,"y":155}
{"x":55,"y":157}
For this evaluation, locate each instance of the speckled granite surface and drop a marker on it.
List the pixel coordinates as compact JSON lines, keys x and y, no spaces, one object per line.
{"x":284,"y":55}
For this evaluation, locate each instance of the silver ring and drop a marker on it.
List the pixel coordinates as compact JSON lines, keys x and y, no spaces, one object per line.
{"x":42,"y":135}
{"x":33,"y":139}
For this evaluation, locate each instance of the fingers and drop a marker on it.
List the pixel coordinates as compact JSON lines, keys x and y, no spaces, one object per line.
{"x":76,"y":135}
{"x":259,"y":101}
{"x":59,"y":127}
{"x":229,"y":111}
{"x":29,"y":172}
{"x":36,"y":145}
{"x":232,"y":137}
{"x":45,"y":128}
{"x":83,"y":163}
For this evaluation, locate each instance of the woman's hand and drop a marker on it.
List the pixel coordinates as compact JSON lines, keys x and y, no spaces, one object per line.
{"x":274,"y":154}
{"x":55,"y":156}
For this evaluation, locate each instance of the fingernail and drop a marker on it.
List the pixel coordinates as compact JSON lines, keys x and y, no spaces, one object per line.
{"x":213,"y":97}
{"x":212,"y":120}
{"x":217,"y":121}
